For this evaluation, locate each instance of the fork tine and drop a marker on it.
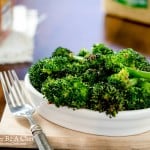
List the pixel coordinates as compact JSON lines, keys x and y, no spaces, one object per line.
{"x":16,"y":79}
{"x":11,"y":89}
{"x":15,"y":95}
{"x":22,"y":91}
{"x":10,"y":84}
{"x":17,"y":86}
{"x":5,"y":89}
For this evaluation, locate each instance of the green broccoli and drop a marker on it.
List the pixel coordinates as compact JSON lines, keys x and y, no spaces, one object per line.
{"x":107,"y":98}
{"x":102,"y":80}
{"x":56,"y":67}
{"x":91,"y":76}
{"x":68,"y":91}
{"x":137,"y":97}
{"x":83,"y":52}
{"x":122,"y":79}
{"x":96,"y":63}
{"x":134,"y":98}
{"x":61,"y":51}
{"x":101,"y":49}
{"x":36,"y":74}
{"x":126,"y":58}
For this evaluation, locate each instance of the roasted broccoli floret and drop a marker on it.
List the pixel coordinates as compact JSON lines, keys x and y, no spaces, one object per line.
{"x":36,"y":74}
{"x":91,"y":76}
{"x":107,"y":98}
{"x":137,"y":97}
{"x":133,"y":98}
{"x":59,"y":66}
{"x":126,"y":58}
{"x":83,"y":52}
{"x":96,"y":65}
{"x":120,"y":92}
{"x":56,"y":67}
{"x":61,"y":51}
{"x":68,"y":91}
{"x":122,"y":79}
{"x":135,"y":86}
{"x":101,"y":49}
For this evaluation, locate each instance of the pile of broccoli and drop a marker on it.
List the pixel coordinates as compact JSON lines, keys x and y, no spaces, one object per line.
{"x":99,"y":79}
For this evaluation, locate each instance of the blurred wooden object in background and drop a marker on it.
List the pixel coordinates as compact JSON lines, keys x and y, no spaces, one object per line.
{"x":136,"y":10}
{"x":128,"y":34}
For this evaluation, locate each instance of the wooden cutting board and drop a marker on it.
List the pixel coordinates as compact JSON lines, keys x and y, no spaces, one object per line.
{"x":14,"y":132}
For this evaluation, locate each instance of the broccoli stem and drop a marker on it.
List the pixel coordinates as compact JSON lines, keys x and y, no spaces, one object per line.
{"x":138,"y":73}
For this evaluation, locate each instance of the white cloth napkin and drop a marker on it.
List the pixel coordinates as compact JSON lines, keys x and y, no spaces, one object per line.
{"x":16,"y":48}
{"x":19,"y":45}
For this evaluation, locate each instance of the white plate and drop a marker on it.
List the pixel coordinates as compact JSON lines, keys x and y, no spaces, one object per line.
{"x":88,"y":121}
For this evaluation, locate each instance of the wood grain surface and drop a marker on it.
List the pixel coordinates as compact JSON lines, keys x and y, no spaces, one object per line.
{"x":14,"y":132}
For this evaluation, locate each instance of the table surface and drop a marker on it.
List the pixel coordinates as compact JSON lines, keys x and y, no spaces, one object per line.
{"x":77,"y":24}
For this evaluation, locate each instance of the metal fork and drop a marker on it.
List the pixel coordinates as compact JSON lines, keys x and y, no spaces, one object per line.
{"x":17,"y":101}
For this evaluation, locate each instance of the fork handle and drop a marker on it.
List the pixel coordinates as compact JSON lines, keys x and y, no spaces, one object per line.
{"x":40,"y":138}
